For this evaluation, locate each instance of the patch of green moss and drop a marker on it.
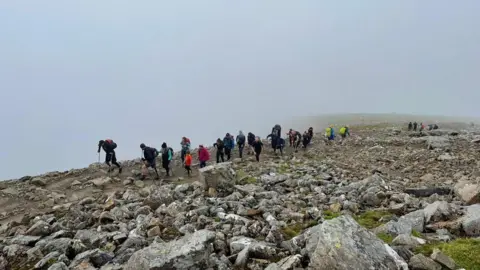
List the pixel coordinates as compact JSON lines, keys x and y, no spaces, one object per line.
{"x":283,"y":168}
{"x":217,"y":219}
{"x":295,"y":229}
{"x":464,"y":251}
{"x":372,"y":219}
{"x":416,"y":234}
{"x":170,"y":233}
{"x":329,"y":214}
{"x":385,"y":237}
{"x":251,"y":180}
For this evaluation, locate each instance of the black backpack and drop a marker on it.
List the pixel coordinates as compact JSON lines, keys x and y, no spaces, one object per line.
{"x":241,"y":139}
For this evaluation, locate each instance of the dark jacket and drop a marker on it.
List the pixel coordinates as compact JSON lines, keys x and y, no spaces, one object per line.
{"x":228,"y":142}
{"x":108,"y":146}
{"x":150,"y":153}
{"x":258,"y":146}
{"x":219,"y":145}
{"x":251,"y":138}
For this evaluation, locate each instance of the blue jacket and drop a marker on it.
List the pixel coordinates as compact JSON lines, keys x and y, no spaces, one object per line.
{"x":228,"y":142}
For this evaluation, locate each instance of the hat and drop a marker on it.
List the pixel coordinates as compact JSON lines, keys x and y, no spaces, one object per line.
{"x":164,"y":145}
{"x":142,"y":145}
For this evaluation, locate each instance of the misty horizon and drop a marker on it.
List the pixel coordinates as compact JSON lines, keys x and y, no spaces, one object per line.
{"x":74,"y":73}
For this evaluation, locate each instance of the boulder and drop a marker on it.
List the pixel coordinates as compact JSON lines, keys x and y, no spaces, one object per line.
{"x":340,"y":243}
{"x":468,"y":192}
{"x":38,"y":181}
{"x":443,"y":259}
{"x":437,"y":211}
{"x":421,"y":262}
{"x":218,"y":178}
{"x":189,"y":252}
{"x":437,"y":142}
{"x":404,"y":225}
{"x":471,"y":220}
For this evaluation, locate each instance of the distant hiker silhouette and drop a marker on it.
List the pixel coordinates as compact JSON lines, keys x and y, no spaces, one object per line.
{"x":109,"y":146}
{"x":149,"y":160}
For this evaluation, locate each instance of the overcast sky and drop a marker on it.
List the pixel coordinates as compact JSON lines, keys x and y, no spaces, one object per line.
{"x":74,"y":72}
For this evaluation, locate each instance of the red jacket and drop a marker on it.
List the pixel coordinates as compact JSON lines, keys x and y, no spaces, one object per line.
{"x":203,"y":154}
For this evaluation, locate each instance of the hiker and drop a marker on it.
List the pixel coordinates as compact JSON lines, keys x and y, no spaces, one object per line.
{"x":277,"y":143}
{"x":410,"y":126}
{"x":310,"y":134}
{"x":240,"y":143}
{"x":188,"y":163}
{"x":422,"y":127}
{"x":185,"y":144}
{"x":306,"y":139}
{"x":295,"y":139}
{"x":257,"y":146}
{"x":435,"y":126}
{"x":203,"y":156}
{"x":344,"y":132}
{"x":251,"y":141}
{"x":415,"y":126}
{"x":167,"y":156}
{"x":220,"y":150}
{"x":430,"y":127}
{"x":149,"y":157}
{"x":109,"y":146}
{"x":330,"y":133}
{"x":229,"y":144}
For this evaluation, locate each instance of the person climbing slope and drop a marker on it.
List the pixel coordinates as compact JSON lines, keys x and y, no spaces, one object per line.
{"x":109,"y":146}
{"x":295,"y":139}
{"x":203,"y":156}
{"x":277,"y":143}
{"x":306,"y":139}
{"x":149,"y":157}
{"x":241,"y":143}
{"x":310,"y":133}
{"x":188,"y":163}
{"x":251,"y":141}
{"x":415,"y":126}
{"x":410,"y":126}
{"x":185,"y":144}
{"x":167,"y":155}
{"x":330,"y":133}
{"x":220,"y":150}
{"x":344,"y":132}
{"x":257,"y":146}
{"x":229,"y":144}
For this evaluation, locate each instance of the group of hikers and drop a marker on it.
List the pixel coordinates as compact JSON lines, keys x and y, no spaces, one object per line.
{"x":414,"y":126}
{"x":223,"y":148}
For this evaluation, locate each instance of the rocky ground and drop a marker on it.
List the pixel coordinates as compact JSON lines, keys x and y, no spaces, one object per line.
{"x":383,"y":199}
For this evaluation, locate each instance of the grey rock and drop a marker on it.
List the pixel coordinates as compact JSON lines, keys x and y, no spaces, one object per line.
{"x":405,"y":224}
{"x":408,"y":240}
{"x":427,"y":192}
{"x":437,"y":142}
{"x":25,"y":240}
{"x":443,"y":259}
{"x":46,"y":260}
{"x":471,"y":220}
{"x":420,"y":262}
{"x":467,"y":191}
{"x":403,"y":252}
{"x":131,"y":195}
{"x":41,"y":228}
{"x":339,"y":243}
{"x":96,"y":257}
{"x":189,"y":252}
{"x":437,"y":211}
{"x":38,"y":181}
{"x":290,"y":262}
{"x":58,"y":266}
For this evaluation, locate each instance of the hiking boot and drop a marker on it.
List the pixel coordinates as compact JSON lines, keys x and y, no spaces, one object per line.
{"x":120,"y":170}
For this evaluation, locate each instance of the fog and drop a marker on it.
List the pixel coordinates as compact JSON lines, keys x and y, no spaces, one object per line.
{"x":75,"y":72}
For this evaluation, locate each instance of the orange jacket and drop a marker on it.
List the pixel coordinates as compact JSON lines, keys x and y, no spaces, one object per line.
{"x":188,"y":160}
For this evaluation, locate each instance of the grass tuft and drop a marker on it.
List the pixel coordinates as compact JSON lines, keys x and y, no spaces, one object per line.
{"x":464,"y":251}
{"x":329,"y":214}
{"x":385,"y":237}
{"x":372,"y":219}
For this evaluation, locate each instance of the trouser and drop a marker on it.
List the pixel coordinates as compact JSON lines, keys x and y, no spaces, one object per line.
{"x":182,"y":155}
{"x":220,"y":155}
{"x":189,"y":170}
{"x":166,"y":166}
{"x":257,"y":155}
{"x":111,"y":157}
{"x":228,"y":152}
{"x":146,"y":165}
{"x":203,"y":164}
{"x":240,"y":149}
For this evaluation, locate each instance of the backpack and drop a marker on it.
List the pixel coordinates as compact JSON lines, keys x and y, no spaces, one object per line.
{"x":241,"y":139}
{"x":112,"y":143}
{"x":187,"y":140}
{"x":171,"y":150}
{"x":276,"y":130}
